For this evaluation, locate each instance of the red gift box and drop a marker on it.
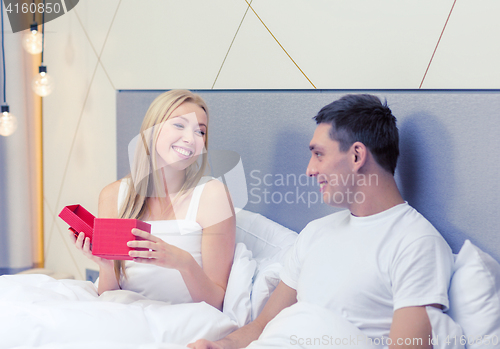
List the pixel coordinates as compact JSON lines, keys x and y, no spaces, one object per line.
{"x":109,"y":236}
{"x":112,"y":234}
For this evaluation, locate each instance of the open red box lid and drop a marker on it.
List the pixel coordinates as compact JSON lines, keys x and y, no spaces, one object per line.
{"x":79,"y":219}
{"x":108,"y":236}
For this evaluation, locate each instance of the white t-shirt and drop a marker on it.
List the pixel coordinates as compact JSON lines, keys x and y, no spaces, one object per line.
{"x":364,"y":268}
{"x":165,"y":284}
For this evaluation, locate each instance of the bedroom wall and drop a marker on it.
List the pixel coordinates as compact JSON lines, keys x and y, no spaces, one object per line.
{"x":104,"y":46}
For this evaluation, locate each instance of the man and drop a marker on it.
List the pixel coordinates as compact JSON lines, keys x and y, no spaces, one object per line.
{"x":377,"y":264}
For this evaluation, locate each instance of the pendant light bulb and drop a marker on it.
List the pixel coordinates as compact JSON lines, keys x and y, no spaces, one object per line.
{"x":32,"y":41}
{"x":43,"y":84}
{"x":8,"y":122}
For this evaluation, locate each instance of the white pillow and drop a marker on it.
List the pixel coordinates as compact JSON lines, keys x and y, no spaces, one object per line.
{"x":475,"y":297}
{"x":444,"y":330}
{"x":263,"y":236}
{"x":268,"y":241}
{"x":265,"y":281}
{"x":239,"y":285}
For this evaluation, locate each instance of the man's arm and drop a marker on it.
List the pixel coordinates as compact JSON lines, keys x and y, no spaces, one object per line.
{"x":411,"y":328}
{"x":282,"y":297}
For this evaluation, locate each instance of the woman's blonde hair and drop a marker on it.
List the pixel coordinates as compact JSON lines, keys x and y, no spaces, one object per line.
{"x":145,"y":178}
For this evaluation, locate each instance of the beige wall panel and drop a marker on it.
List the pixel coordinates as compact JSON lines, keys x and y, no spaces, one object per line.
{"x":79,"y":133}
{"x":170,"y":44}
{"x":91,"y":166}
{"x":469,"y":53}
{"x":96,"y":17}
{"x":360,"y":43}
{"x":256,"y":61}
{"x":71,"y":62}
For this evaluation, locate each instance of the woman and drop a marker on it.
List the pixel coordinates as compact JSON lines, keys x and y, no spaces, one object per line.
{"x":188,"y":255}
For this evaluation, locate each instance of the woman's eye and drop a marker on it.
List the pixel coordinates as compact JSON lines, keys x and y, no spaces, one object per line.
{"x":200,"y":132}
{"x":179,"y":125}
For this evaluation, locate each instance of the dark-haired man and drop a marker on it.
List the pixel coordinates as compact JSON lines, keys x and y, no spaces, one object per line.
{"x":377,"y":264}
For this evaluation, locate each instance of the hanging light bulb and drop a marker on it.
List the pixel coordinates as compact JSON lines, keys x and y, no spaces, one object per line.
{"x":32,"y":41}
{"x":42,"y":84}
{"x":8,"y":122}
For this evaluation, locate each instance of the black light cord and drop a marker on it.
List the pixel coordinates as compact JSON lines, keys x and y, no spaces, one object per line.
{"x":3,"y":56}
{"x":43,"y":29}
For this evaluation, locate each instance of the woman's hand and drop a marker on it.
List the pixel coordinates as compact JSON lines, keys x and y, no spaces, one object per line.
{"x":158,"y":252}
{"x":83,"y":244}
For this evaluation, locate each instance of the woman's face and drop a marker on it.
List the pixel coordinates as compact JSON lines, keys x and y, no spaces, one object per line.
{"x":182,"y":137}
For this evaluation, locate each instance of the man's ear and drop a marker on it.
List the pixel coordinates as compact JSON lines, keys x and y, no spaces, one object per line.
{"x":359,"y":155}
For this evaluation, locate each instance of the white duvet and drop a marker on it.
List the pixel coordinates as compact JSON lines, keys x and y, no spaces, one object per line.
{"x":39,"y":311}
{"x":36,"y":310}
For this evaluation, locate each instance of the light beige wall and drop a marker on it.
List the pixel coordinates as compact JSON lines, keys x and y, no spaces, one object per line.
{"x":103,"y":46}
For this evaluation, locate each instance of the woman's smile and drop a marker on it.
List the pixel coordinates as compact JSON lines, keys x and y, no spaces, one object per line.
{"x":182,"y":152}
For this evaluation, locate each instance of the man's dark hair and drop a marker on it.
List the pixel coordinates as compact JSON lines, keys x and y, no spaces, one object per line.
{"x":363,"y":118}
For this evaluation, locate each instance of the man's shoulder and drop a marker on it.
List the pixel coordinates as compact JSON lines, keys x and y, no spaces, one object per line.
{"x":412,"y":230}
{"x":416,"y":223}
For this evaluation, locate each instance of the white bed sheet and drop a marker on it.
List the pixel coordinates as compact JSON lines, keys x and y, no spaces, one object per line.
{"x":37,"y":310}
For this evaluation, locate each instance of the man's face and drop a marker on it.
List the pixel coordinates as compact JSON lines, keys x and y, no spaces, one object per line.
{"x":330,"y":166}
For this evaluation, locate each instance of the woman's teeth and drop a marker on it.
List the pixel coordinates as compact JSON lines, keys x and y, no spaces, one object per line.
{"x":183,"y":151}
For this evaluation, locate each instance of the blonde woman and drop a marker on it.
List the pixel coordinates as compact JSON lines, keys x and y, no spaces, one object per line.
{"x":188,"y":255}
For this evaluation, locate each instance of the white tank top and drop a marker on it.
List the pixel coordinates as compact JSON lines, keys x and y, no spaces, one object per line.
{"x":164,"y":284}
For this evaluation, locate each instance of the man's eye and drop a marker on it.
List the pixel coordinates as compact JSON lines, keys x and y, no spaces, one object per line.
{"x":318,"y":154}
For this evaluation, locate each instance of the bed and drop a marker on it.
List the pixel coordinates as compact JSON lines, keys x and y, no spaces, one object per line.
{"x":39,"y":311}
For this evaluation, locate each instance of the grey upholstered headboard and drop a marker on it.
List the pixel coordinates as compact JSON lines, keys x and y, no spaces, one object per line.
{"x":448,"y":169}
